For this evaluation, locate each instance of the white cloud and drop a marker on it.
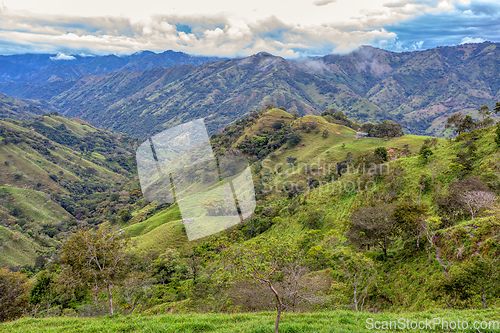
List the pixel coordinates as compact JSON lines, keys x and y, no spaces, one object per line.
{"x":62,"y":56}
{"x":470,"y":40}
{"x":240,"y":28}
{"x":323,"y":2}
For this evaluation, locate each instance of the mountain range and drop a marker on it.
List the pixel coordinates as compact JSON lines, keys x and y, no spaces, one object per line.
{"x":417,"y":89}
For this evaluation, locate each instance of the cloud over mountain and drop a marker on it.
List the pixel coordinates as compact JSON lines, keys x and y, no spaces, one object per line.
{"x":314,"y":28}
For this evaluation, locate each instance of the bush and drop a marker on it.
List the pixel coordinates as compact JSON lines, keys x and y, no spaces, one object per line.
{"x":294,"y":138}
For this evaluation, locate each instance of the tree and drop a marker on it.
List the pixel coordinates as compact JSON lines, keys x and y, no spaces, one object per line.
{"x":277,"y":125}
{"x":136,"y":286}
{"x":291,"y":160}
{"x":275,"y":263}
{"x":382,"y":153}
{"x":475,"y":200}
{"x":497,"y":107}
{"x":95,"y":259}
{"x":465,"y":282}
{"x":338,"y":117}
{"x":406,"y":150}
{"x":485,"y":114}
{"x":325,"y":134}
{"x":426,"y":153}
{"x":486,"y":273}
{"x":124,"y":215}
{"x":43,"y":290}
{"x":497,"y":132}
{"x":361,"y":273}
{"x":166,"y":266}
{"x":373,"y":226}
{"x":388,"y":128}
{"x":294,"y":138}
{"x":14,"y":293}
{"x":410,"y":219}
{"x":460,"y":123}
{"x":451,"y":206}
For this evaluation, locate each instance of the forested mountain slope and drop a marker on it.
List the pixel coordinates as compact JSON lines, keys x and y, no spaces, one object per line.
{"x":417,"y":89}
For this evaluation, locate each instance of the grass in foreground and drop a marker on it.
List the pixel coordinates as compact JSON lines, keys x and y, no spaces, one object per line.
{"x":338,"y":321}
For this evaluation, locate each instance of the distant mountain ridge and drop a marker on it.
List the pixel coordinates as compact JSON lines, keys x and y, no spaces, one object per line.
{"x":50,"y":67}
{"x":417,"y":89}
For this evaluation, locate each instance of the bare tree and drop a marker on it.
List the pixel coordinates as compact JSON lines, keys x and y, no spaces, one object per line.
{"x":275,"y":263}
{"x":361,"y":273}
{"x":135,"y":287}
{"x":373,"y":226}
{"x":475,"y":200}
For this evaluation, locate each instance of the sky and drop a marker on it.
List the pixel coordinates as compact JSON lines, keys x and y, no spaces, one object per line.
{"x":287,"y":28}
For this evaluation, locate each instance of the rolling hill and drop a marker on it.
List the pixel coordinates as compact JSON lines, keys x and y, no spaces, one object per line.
{"x":57,"y":174}
{"x":318,"y":212}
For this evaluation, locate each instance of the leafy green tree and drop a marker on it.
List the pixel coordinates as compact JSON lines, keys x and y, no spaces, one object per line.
{"x":95,"y":259}
{"x":467,"y":158}
{"x":465,"y":283}
{"x":382,"y":153}
{"x":410,"y":219}
{"x":367,"y":127}
{"x":277,"y":125}
{"x":43,"y":291}
{"x":339,"y":117}
{"x":325,"y":134}
{"x":124,"y":215}
{"x":388,"y":128}
{"x":426,"y":153}
{"x":294,"y":138}
{"x":166,"y":266}
{"x":484,"y":112}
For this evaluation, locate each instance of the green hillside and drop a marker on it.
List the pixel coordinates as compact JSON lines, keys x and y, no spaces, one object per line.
{"x":33,"y":205}
{"x":159,"y":232}
{"x":16,"y":248}
{"x":57,"y":174}
{"x":17,"y":109}
{"x":318,"y":212}
{"x":347,"y":225}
